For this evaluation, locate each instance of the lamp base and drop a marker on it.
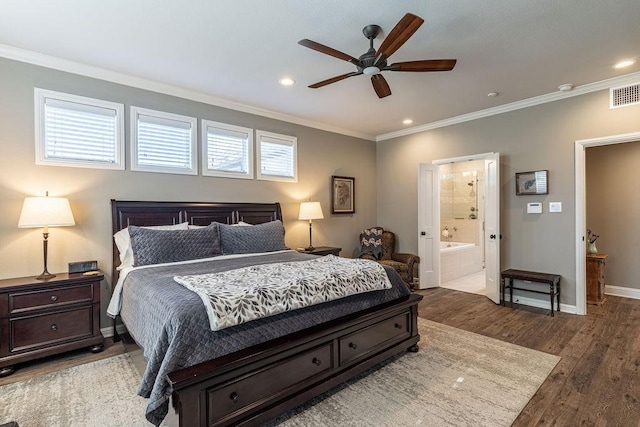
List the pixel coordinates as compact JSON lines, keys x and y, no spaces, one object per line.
{"x":309,"y":248}
{"x":45,"y":276}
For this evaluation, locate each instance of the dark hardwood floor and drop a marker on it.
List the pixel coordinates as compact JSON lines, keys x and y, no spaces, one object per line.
{"x":597,"y":382}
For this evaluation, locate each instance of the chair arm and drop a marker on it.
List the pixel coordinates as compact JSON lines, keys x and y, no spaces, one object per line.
{"x":408,"y":259}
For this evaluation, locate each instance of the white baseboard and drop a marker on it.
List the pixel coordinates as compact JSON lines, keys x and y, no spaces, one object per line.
{"x":538,"y":303}
{"x":108,"y":331}
{"x":619,"y":291}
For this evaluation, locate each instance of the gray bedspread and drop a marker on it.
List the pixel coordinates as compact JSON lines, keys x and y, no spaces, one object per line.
{"x":170,"y":322}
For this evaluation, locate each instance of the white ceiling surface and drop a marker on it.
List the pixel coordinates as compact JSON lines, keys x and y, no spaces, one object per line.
{"x":236,"y":50}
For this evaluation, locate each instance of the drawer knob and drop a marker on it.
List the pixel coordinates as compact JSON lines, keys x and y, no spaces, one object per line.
{"x":316,"y":361}
{"x":54,"y":298}
{"x":54,"y":327}
{"x":353,"y":345}
{"x":234,"y":396}
{"x":398,"y":326}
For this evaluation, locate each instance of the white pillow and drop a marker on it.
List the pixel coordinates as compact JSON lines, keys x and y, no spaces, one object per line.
{"x":243,"y":224}
{"x":123,"y":242}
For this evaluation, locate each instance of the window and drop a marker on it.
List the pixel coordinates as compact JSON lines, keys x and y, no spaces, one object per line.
{"x":277,"y":157}
{"x":76,"y":131}
{"x":163,"y":142}
{"x":227,"y":150}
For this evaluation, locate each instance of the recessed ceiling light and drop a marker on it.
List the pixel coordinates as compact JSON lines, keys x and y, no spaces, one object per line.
{"x":565,"y":87}
{"x":286,"y":81}
{"x":625,"y":63}
{"x":407,"y":121}
{"x":492,"y":94}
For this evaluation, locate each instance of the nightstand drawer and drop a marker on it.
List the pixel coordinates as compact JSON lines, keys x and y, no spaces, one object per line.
{"x":21,"y":302}
{"x":50,"y":329}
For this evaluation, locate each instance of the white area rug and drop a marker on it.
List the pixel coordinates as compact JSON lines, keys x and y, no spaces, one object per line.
{"x":458,"y":378}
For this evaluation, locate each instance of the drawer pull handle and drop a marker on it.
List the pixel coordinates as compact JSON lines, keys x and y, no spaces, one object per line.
{"x":234,"y":396}
{"x":398,"y":326}
{"x":353,"y":345}
{"x":54,"y":327}
{"x":316,"y":361}
{"x":54,"y":298}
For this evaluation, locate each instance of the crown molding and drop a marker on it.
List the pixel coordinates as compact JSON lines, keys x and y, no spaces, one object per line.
{"x":518,"y":105}
{"x":35,"y":58}
{"x":73,"y":67}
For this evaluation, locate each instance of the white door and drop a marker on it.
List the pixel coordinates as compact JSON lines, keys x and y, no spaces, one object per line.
{"x":492,"y":226}
{"x":429,"y":225}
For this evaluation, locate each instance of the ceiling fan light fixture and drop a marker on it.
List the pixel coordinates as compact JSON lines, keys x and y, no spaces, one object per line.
{"x":371,"y":71}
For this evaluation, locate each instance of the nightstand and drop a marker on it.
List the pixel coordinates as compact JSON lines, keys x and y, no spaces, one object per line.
{"x":322,"y":251}
{"x":40,"y":318}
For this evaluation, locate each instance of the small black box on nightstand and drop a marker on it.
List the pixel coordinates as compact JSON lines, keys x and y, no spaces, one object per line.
{"x":82,"y":266}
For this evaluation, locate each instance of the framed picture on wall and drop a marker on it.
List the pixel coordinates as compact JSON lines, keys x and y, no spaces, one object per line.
{"x":343,"y":195}
{"x":534,"y":182}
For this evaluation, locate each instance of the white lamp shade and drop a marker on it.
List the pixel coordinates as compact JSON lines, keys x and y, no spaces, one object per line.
{"x":310,"y":210}
{"x":46,"y":212}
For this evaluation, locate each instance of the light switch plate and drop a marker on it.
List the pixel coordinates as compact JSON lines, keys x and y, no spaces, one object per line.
{"x":555,"y":206}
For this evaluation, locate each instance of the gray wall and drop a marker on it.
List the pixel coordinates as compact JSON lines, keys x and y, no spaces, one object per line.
{"x":540,"y":137}
{"x":613,"y":209}
{"x":321,"y":154}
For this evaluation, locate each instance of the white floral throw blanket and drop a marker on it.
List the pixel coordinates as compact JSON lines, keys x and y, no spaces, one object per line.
{"x":237,"y":296}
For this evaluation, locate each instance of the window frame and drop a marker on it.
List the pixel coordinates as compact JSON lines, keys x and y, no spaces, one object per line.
{"x":286,"y":138}
{"x":40,"y":97}
{"x":193,"y":121}
{"x":206,"y":124}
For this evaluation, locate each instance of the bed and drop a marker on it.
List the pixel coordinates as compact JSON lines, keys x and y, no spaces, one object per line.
{"x":250,"y":373}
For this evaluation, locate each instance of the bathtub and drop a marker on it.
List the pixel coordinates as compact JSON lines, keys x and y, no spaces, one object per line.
{"x":458,"y":259}
{"x":454,"y":246}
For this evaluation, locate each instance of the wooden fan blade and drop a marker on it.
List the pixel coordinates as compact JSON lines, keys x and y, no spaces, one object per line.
{"x":380,"y":85}
{"x":426,"y":65}
{"x":333,"y":80}
{"x":404,"y":29}
{"x":328,"y":51}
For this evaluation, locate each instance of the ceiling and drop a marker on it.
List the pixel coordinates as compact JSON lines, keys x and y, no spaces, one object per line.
{"x":237,"y":50}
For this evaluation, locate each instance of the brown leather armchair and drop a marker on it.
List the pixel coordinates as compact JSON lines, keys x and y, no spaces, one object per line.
{"x":400,"y":262}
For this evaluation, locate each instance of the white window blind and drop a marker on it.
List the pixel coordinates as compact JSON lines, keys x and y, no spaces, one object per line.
{"x":228,"y":150}
{"x":78,"y":131}
{"x":163,"y":142}
{"x":277,"y":157}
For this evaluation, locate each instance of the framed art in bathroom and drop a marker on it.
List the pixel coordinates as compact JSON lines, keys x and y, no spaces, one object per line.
{"x":533,"y":182}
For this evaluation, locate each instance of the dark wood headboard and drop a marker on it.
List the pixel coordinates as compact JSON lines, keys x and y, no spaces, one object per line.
{"x":126,"y":213}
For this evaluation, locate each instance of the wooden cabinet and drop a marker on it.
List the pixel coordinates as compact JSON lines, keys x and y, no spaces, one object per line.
{"x":39,"y":318}
{"x":595,"y":278}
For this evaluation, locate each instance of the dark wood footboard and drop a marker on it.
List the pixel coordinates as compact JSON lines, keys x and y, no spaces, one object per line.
{"x":259,"y":383}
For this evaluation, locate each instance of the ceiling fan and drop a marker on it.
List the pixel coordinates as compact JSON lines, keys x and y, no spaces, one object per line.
{"x":373,"y":62}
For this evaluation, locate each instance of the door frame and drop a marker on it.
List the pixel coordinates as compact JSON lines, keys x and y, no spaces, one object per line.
{"x":581,"y":208}
{"x":473,"y":157}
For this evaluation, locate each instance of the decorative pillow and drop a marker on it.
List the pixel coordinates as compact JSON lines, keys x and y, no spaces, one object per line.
{"x":160,"y":246}
{"x":123,"y":242}
{"x":266,"y":237}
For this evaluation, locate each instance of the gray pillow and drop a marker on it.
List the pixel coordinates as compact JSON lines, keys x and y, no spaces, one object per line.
{"x":159,"y":246}
{"x":266,"y":237}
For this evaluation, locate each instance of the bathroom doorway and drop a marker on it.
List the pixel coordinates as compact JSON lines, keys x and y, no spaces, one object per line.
{"x":462,"y":213}
{"x":481,"y":227}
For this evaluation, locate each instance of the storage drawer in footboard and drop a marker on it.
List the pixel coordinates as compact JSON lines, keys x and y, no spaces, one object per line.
{"x":261,"y":386}
{"x":374,"y":337}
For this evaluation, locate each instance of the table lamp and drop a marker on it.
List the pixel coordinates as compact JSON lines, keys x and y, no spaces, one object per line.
{"x":310,"y":211}
{"x":45,"y":212}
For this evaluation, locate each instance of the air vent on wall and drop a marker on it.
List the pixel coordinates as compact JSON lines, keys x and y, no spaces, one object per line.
{"x":624,"y":96}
